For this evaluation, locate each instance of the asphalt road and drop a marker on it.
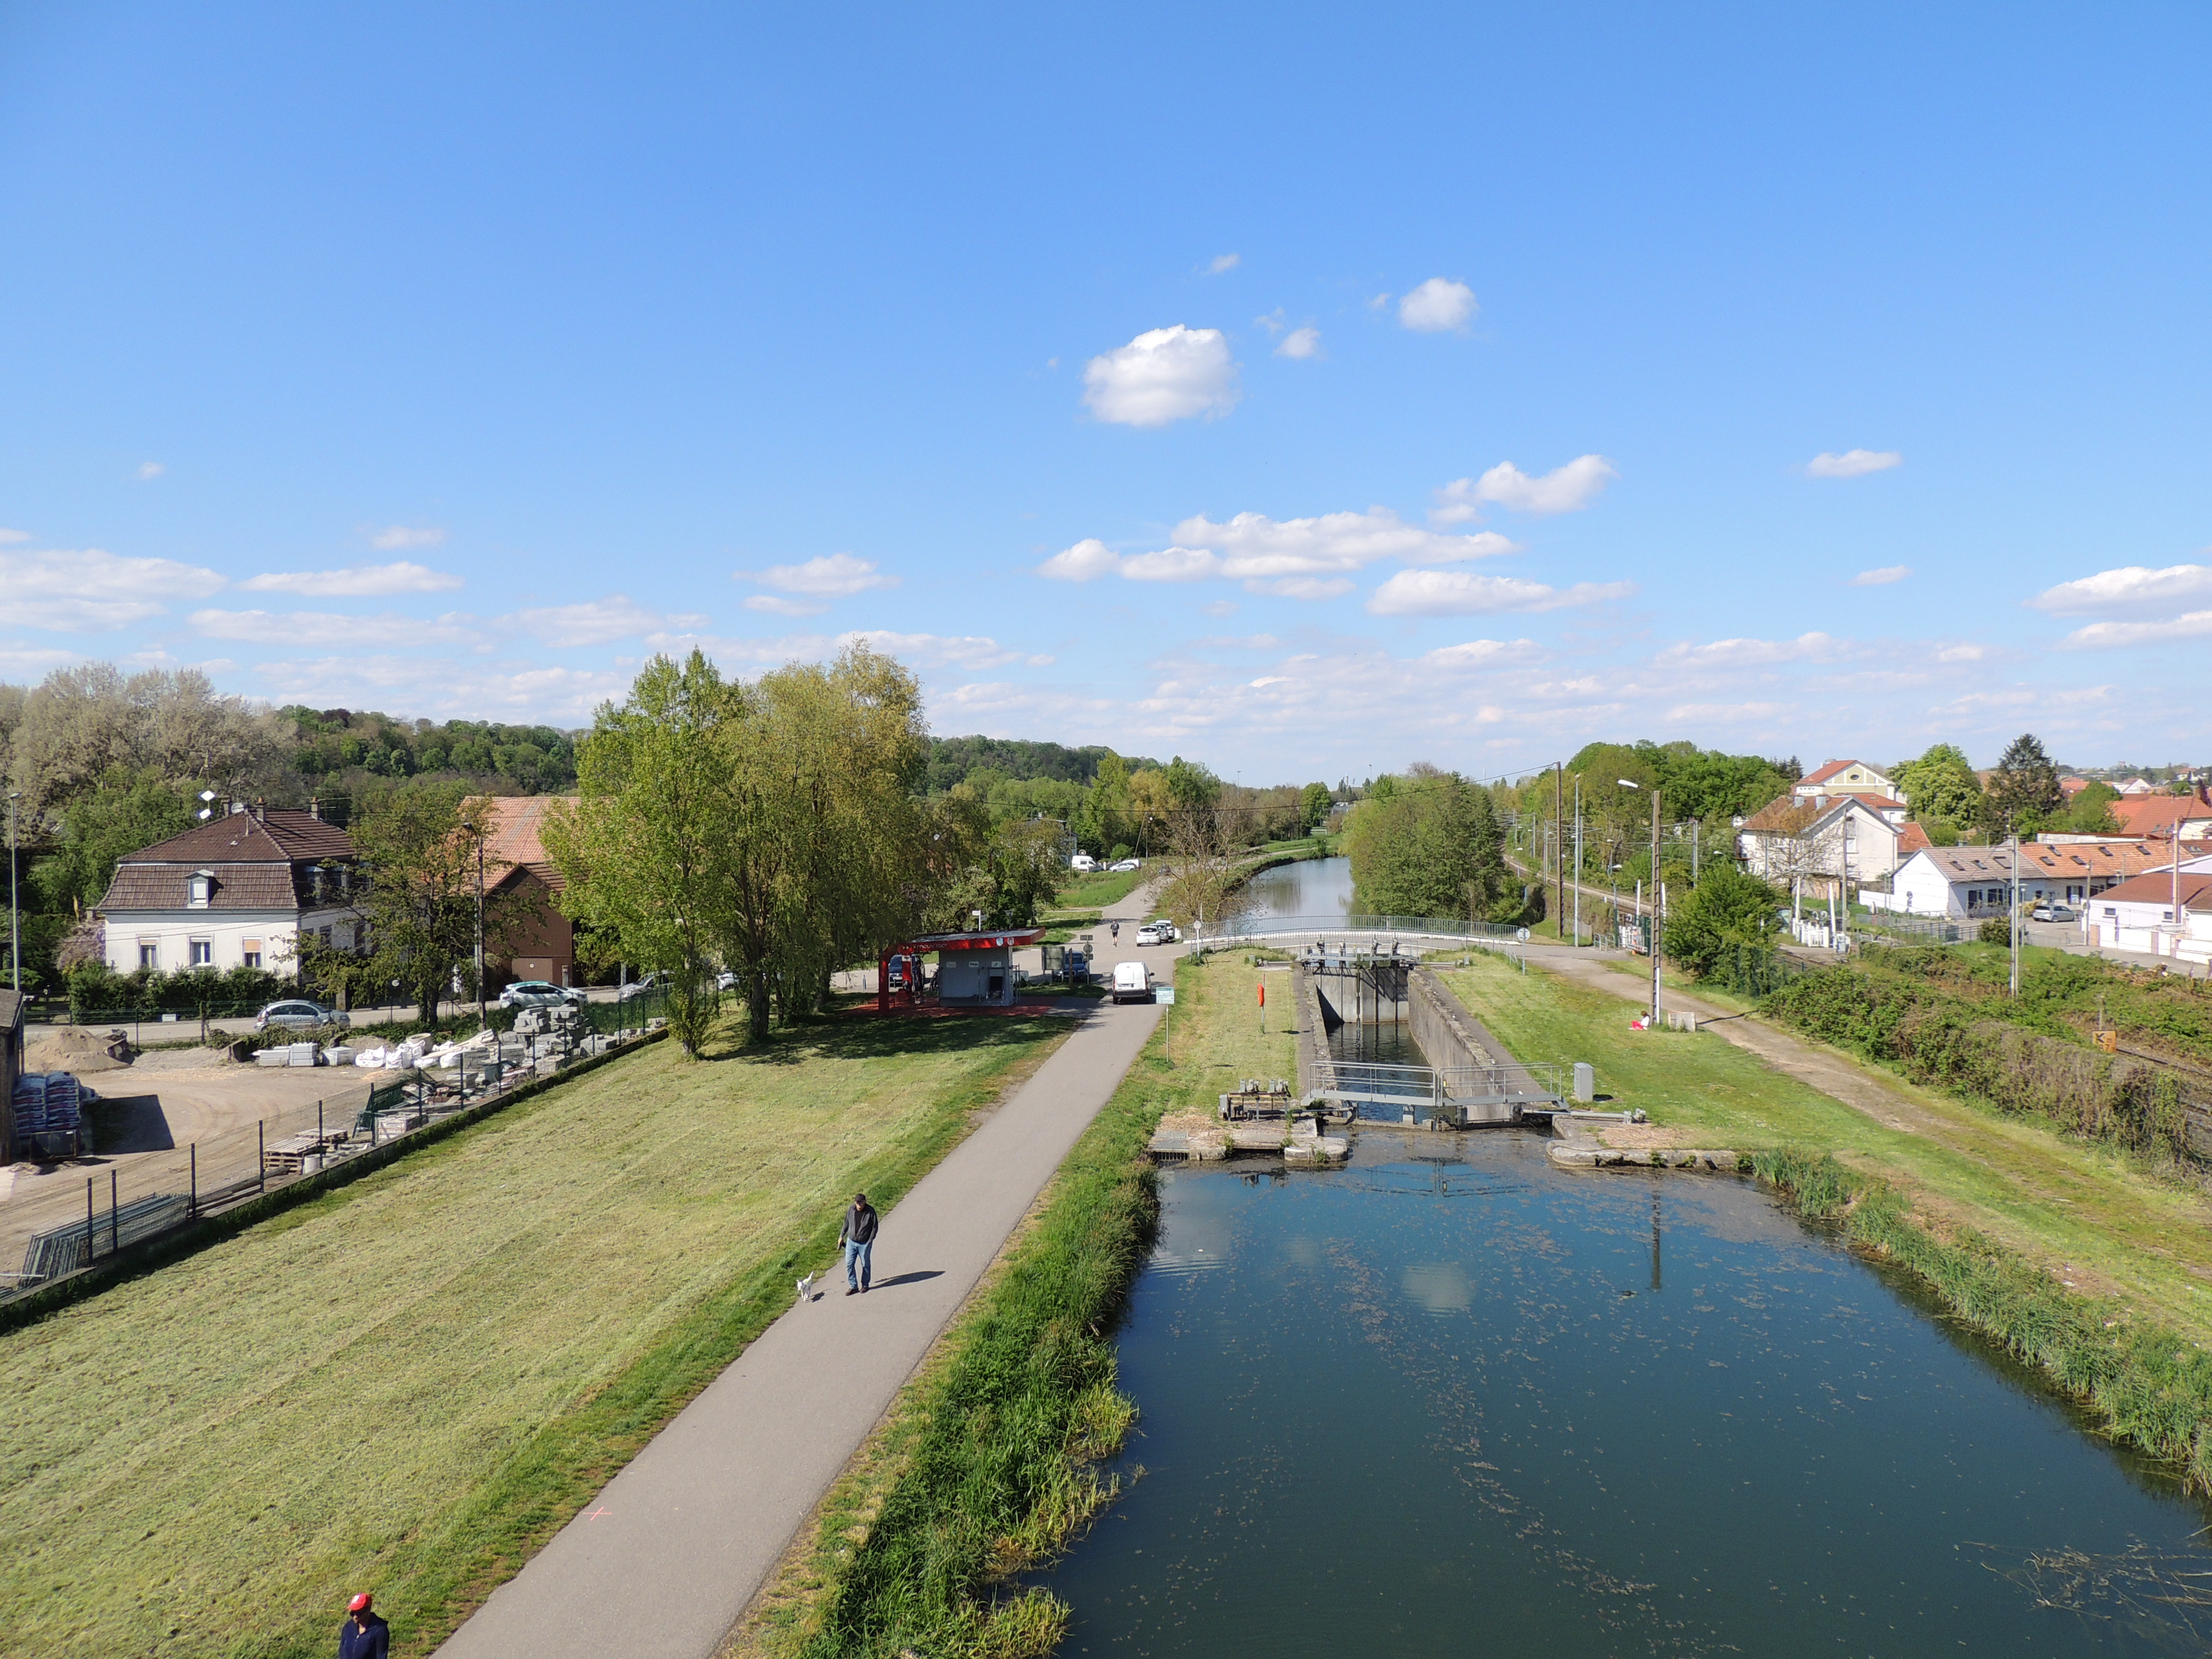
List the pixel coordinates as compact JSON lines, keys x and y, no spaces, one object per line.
{"x":664,"y":1561}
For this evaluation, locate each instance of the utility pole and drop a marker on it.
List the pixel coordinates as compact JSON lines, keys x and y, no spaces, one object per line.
{"x":2012,"y":922}
{"x":15,"y":927}
{"x":480,"y":942}
{"x":1578,"y":858}
{"x":1655,"y":890}
{"x":1559,"y":842}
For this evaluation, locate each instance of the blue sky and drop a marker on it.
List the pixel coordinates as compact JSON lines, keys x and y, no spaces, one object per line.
{"x":1308,"y":391}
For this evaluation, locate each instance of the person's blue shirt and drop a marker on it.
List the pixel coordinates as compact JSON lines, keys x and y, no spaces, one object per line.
{"x":369,"y":1639}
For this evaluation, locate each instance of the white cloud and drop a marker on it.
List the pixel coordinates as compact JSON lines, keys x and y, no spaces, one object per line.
{"x":1079,"y":563}
{"x":1749,"y":654}
{"x":19,"y":661}
{"x":1163,"y":375}
{"x":398,"y":538}
{"x":1566,"y":488}
{"x":86,"y":588}
{"x":2190,"y":625}
{"x":364,"y":581}
{"x":834,"y":576}
{"x":1224,"y":261}
{"x":1254,"y":548}
{"x":776,"y":607}
{"x":1462,"y":594}
{"x":1436,"y":306}
{"x":1729,"y":712}
{"x":1301,"y":344}
{"x":1883,"y":577}
{"x":9,"y":538}
{"x":1302,"y":588}
{"x":2133,"y":590}
{"x":1852,"y":463}
{"x":967,"y":652}
{"x":1487,"y":653}
{"x":308,"y":630}
{"x":150,"y":469}
{"x":599,"y":622}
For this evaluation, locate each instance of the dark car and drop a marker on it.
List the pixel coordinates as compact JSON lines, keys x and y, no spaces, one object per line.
{"x":299,"y":1015}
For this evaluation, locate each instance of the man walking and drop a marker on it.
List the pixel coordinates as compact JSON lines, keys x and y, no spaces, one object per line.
{"x":858,"y":1238}
{"x":363,"y":1635}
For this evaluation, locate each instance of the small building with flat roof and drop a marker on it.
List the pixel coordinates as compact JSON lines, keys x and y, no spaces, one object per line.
{"x":974,"y":970}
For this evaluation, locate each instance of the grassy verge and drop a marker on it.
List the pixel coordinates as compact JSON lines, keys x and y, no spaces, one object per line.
{"x":2150,"y":1385}
{"x":2036,"y":1238}
{"x":1100,"y":889}
{"x":988,"y":1465}
{"x":414,"y":1380}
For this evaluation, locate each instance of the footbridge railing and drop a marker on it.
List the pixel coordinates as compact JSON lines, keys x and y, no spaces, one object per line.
{"x":1460,"y":1095}
{"x":1355,"y":928}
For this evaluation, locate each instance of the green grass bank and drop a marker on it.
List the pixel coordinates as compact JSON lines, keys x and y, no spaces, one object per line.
{"x":411,"y":1383}
{"x":2088,"y":1261}
{"x":988,"y":1465}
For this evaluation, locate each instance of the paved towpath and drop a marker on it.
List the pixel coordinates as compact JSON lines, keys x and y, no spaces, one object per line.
{"x":661,"y":1564}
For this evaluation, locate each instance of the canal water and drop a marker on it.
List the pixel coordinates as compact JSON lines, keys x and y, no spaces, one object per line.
{"x":1311,"y":887}
{"x":1449,"y":1400}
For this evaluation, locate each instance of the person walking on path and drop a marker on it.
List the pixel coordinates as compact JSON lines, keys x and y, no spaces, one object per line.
{"x":363,"y":1635}
{"x":858,"y":1238}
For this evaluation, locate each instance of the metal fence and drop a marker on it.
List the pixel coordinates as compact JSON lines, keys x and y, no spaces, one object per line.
{"x":161,"y":1027}
{"x":1253,"y":927}
{"x":1757,"y":970}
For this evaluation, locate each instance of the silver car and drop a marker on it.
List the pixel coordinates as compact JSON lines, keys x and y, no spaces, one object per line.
{"x":299,"y":1015}
{"x":537,"y":993}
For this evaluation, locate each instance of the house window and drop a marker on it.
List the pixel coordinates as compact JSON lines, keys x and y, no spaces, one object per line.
{"x":202,"y":952}
{"x":150,"y":954}
{"x":202,"y":890}
{"x":251,"y":952}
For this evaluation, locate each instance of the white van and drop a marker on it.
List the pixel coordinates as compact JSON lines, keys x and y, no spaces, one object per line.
{"x":1082,"y":861}
{"x":1132,"y":982}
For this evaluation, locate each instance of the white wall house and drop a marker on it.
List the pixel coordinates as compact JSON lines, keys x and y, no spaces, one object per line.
{"x":2139,"y":915}
{"x":236,"y":892}
{"x":1962,"y":883}
{"x":1856,"y":838}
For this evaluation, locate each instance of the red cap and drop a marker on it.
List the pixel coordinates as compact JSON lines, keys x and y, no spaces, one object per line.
{"x":360,"y":1603}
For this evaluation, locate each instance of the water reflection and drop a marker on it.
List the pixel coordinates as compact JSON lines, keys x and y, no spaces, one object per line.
{"x":1313,"y":887}
{"x":1446,"y":1401}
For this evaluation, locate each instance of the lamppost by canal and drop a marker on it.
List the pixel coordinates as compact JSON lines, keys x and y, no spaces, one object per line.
{"x":1630,"y":783}
{"x":14,"y":934}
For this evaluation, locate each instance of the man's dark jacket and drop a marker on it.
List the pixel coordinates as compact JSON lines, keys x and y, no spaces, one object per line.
{"x":371,"y":1639}
{"x":859,"y":1224}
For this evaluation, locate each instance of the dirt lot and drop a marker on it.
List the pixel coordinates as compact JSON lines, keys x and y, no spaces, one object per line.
{"x":150,"y":1116}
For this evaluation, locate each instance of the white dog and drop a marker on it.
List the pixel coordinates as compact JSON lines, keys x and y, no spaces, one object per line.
{"x":806,"y":1287}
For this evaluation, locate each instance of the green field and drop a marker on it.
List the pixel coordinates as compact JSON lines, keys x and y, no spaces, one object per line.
{"x":1098,"y":889}
{"x":2108,"y":1222}
{"x":411,"y":1383}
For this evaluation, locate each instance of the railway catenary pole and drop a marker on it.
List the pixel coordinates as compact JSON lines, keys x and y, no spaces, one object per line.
{"x":1655,"y":907}
{"x":1559,"y":841}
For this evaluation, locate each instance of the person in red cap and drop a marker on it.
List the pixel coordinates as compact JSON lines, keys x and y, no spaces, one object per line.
{"x":363,"y":1635}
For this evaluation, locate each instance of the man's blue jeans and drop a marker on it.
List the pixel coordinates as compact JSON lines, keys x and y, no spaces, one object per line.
{"x":856,"y":1256}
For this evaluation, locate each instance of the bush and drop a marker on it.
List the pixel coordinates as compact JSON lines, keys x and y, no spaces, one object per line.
{"x":1729,"y":908}
{"x":1997,"y":930}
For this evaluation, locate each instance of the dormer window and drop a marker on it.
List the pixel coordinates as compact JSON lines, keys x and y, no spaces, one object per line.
{"x":201,"y":890}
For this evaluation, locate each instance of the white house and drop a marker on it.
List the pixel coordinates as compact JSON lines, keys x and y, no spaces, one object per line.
{"x":1845,"y":777}
{"x":2139,"y":915}
{"x":1975,"y":881}
{"x":237,"y":892}
{"x":1857,"y":838}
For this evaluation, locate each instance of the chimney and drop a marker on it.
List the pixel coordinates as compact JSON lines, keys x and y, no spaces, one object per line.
{"x":260,"y":810}
{"x":315,"y":808}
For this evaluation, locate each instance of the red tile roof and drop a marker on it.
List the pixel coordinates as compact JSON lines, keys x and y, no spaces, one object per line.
{"x":2157,"y":889}
{"x":1911,"y":839}
{"x":1828,"y":770}
{"x":513,"y":836}
{"x":259,"y":863}
{"x":2156,"y":815}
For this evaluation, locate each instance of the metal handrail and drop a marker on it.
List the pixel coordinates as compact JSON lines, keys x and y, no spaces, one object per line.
{"x":1436,"y":926}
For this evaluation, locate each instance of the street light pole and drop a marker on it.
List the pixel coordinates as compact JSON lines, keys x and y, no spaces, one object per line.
{"x":1578,"y":860}
{"x":14,"y":934}
{"x":1656,"y":889}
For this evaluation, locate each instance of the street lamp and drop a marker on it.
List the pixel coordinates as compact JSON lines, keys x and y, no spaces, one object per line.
{"x":1630,"y":783}
{"x":14,"y":936}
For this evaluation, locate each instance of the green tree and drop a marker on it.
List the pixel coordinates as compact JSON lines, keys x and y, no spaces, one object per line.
{"x":413,"y":899}
{"x":2023,"y":793}
{"x":1728,"y":907}
{"x":2089,"y":813}
{"x":1429,"y":844}
{"x":1941,"y":786}
{"x":1314,"y":802}
{"x":124,"y":811}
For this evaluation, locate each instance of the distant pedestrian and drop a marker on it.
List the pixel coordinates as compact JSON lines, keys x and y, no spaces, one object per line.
{"x":363,"y":1635}
{"x":858,"y":1238}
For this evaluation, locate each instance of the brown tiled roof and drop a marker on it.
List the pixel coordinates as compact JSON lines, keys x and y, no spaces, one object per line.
{"x":273,"y":886}
{"x":279,"y":837}
{"x":1830,"y":769}
{"x":2156,"y":889}
{"x":1785,"y":816}
{"x":2075,"y":858}
{"x":2156,"y":815}
{"x":1912,"y":839}
{"x":259,"y":863}
{"x":512,"y":840}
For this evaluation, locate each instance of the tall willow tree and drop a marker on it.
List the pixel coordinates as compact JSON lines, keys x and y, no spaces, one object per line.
{"x":771,"y":828}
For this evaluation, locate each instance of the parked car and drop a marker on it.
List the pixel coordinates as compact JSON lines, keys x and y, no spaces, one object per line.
{"x":638,"y":988}
{"x":1126,"y":865}
{"x":1148,"y":934}
{"x":1168,"y":932}
{"x":1132,"y":982}
{"x":726,"y":979}
{"x":1082,"y":861}
{"x":2051,"y":913}
{"x":538,"y":993}
{"x":299,"y":1015}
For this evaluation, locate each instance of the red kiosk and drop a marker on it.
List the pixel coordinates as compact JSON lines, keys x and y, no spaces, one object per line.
{"x":974,"y":970}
